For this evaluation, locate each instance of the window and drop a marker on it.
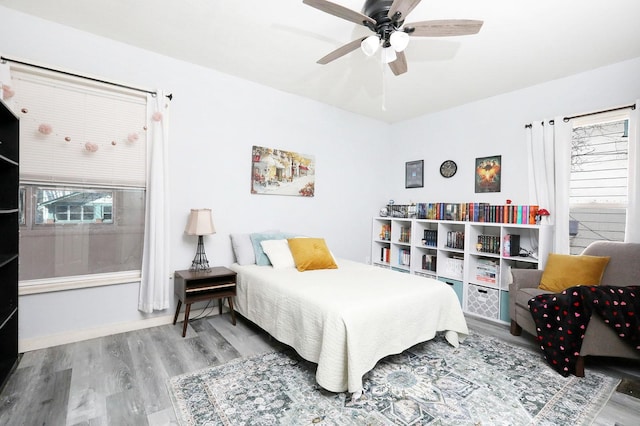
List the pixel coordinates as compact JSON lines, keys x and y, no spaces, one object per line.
{"x":598,"y":180}
{"x":82,"y":175}
{"x":65,"y":205}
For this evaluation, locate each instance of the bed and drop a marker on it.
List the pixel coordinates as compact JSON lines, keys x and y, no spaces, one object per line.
{"x":347,"y":319}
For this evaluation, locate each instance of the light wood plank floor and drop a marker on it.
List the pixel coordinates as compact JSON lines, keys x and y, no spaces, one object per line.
{"x":121,"y":379}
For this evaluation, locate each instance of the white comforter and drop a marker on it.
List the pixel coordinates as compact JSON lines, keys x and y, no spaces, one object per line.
{"x":347,"y":319}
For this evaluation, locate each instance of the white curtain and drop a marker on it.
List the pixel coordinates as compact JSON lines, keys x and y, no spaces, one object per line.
{"x":632,"y":227}
{"x":155,"y":283}
{"x":549,"y":159}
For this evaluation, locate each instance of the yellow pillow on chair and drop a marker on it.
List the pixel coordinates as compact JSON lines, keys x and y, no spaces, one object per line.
{"x":563,"y":271}
{"x":311,"y":253}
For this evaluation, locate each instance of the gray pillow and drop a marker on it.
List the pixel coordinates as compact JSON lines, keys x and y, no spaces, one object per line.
{"x":243,"y":249}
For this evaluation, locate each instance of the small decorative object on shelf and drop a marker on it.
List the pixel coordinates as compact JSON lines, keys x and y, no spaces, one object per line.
{"x":542,"y":214}
{"x":385,"y":232}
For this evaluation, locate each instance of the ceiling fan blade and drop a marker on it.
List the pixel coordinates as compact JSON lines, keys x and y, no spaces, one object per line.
{"x":403,"y":7}
{"x":399,"y":66}
{"x":340,"y":11}
{"x":444,"y":28}
{"x":341,"y":51}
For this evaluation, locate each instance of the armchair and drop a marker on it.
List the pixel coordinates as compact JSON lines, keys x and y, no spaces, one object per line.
{"x":599,"y":339}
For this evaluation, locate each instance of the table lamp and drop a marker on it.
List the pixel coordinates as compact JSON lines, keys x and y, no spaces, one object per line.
{"x":200,"y":223}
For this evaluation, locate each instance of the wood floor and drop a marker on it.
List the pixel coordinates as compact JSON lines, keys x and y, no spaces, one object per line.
{"x":121,"y":379}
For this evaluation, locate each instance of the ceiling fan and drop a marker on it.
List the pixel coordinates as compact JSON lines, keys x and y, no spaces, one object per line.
{"x":386,"y":19}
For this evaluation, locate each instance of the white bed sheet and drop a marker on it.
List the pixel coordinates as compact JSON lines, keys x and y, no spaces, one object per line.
{"x":347,"y":319}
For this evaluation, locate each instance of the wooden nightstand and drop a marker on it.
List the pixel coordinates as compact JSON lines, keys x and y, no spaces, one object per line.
{"x":190,"y":286}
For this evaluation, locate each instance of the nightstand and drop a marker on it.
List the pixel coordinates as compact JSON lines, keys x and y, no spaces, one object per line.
{"x":193,"y":286}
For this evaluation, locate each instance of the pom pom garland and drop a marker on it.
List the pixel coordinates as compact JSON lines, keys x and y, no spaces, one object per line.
{"x":7,"y":92}
{"x":157,"y":116}
{"x":45,"y":129}
{"x":91,"y":147}
{"x":132,"y":137}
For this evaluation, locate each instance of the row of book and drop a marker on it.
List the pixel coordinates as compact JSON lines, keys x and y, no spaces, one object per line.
{"x":478,"y":212}
{"x":405,"y":235}
{"x":385,"y":254}
{"x":404,"y":257}
{"x":455,"y":240}
{"x":430,"y":237}
{"x":429,"y":262}
{"x":488,"y":244}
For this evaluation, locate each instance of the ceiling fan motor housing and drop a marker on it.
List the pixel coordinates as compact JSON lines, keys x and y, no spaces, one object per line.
{"x":379,"y":11}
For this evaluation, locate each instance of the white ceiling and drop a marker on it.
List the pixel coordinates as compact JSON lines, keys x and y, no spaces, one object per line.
{"x":277,"y":43}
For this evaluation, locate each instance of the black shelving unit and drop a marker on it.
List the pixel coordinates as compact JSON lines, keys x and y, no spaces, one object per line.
{"x":9,"y":178}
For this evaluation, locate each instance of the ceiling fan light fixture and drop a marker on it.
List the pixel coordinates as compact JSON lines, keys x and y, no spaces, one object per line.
{"x":370,"y":45}
{"x":388,"y":55}
{"x":399,"y":40}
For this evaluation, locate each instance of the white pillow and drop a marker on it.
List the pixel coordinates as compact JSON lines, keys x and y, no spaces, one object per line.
{"x":278,"y":253}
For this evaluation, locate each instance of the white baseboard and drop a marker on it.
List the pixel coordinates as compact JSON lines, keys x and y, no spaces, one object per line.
{"x":35,"y":343}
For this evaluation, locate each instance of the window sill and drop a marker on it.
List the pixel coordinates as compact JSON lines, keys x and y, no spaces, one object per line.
{"x":72,"y":283}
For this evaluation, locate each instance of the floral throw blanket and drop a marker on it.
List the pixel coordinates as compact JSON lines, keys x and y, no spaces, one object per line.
{"x":561,"y":320}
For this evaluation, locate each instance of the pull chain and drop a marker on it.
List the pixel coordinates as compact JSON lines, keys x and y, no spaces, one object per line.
{"x":384,"y":86}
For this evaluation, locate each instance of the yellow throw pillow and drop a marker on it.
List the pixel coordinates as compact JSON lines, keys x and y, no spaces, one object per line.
{"x":311,"y":253}
{"x":563,"y":271}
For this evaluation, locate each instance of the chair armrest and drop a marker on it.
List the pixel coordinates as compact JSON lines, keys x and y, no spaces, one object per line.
{"x":525,"y":278}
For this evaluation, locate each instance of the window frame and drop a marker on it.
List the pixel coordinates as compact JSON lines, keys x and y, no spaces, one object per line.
{"x":74,"y":84}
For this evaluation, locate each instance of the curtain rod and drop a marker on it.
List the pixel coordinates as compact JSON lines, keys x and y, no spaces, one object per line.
{"x":632,"y":106}
{"x":97,"y":80}
{"x":528,"y":126}
{"x":567,"y":119}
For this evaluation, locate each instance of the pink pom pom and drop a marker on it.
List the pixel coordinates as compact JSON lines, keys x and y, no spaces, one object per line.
{"x":157,"y":116}
{"x":7,"y":92}
{"x":45,"y":129}
{"x":91,"y":147}
{"x":132,"y":137}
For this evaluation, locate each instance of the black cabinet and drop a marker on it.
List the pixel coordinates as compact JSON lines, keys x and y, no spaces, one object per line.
{"x":9,"y":194}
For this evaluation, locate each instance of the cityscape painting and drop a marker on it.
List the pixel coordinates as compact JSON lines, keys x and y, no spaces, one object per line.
{"x":279,"y":172}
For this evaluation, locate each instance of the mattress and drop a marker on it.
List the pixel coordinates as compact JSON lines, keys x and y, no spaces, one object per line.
{"x":347,"y":319}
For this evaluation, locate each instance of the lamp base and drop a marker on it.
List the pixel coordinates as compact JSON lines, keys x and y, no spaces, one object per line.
{"x":200,"y":262}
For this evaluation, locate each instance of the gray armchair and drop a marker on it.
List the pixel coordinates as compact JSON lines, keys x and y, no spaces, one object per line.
{"x":599,"y":339}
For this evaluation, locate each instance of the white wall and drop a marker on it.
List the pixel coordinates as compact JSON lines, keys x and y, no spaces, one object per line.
{"x":495,"y":126}
{"x":215,"y":119}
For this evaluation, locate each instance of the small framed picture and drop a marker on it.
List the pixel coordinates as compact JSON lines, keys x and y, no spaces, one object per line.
{"x":488,"y":174}
{"x":414,"y":174}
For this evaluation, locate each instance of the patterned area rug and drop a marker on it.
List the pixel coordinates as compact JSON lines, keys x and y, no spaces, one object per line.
{"x":483,"y":382}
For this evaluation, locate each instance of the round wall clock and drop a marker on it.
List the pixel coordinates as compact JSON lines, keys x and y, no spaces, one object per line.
{"x":448,"y":168}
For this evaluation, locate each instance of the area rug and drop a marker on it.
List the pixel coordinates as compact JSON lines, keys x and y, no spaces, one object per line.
{"x":485,"y":381}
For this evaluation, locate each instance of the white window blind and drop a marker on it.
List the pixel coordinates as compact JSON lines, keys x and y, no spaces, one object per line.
{"x":96,"y":134}
{"x":599,"y":160}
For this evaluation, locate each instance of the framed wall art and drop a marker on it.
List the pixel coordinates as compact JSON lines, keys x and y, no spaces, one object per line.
{"x":488,"y":174}
{"x":414,"y":174}
{"x":279,"y":172}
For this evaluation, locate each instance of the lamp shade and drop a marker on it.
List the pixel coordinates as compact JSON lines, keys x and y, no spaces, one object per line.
{"x":388,"y":55}
{"x":200,"y":223}
{"x":370,"y":45}
{"x":399,"y":40}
